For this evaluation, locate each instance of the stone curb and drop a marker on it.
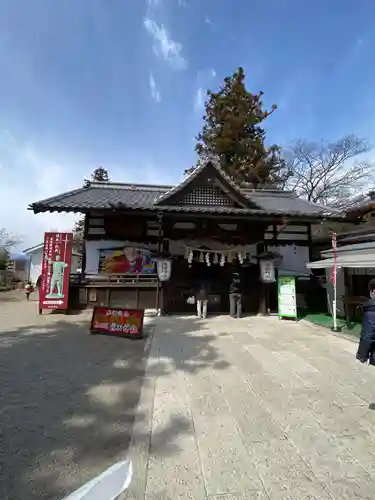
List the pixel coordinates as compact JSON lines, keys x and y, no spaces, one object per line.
{"x":140,"y":441}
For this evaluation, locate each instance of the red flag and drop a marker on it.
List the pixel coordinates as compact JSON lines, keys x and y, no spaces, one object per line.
{"x":334,"y":267}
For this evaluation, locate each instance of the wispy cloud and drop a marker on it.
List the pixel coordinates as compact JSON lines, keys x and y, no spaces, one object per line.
{"x":209,"y":23}
{"x":154,"y":3}
{"x":199,"y":99}
{"x":164,"y":46}
{"x":204,"y":78}
{"x":30,"y":173}
{"x":155,"y":94}
{"x":28,"y":176}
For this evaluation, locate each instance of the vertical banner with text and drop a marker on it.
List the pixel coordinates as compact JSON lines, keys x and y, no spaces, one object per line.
{"x":57,"y":254}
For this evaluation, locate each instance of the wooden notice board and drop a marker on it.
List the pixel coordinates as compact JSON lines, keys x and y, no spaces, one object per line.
{"x":118,"y":321}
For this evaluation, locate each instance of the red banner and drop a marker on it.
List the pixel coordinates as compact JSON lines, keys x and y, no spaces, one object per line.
{"x":334,"y":267}
{"x":57,"y":254}
{"x":124,"y":322}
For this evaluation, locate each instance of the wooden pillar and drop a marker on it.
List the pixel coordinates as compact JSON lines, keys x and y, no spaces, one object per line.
{"x":85,"y":233}
{"x":160,"y":249}
{"x":310,"y":243}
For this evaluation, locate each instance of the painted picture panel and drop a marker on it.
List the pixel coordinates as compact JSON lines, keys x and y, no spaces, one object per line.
{"x":130,"y":260}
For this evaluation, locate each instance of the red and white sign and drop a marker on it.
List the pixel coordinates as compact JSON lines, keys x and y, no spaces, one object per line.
{"x":57,"y":255}
{"x":334,"y":268}
{"x":118,"y":321}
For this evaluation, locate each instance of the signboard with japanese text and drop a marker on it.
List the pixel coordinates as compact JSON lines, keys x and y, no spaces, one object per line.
{"x":117,"y":321}
{"x":267,"y":271}
{"x":287,"y":300}
{"x":57,"y":254}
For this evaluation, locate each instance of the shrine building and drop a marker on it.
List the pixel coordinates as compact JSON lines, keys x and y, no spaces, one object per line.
{"x":204,"y":228}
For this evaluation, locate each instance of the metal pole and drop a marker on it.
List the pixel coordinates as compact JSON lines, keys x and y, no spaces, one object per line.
{"x":334,"y":299}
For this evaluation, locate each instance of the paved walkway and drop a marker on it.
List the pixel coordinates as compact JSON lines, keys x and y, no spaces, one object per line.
{"x":253,"y":409}
{"x":67,"y":400}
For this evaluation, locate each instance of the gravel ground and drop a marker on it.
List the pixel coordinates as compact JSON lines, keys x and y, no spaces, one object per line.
{"x":67,"y":400}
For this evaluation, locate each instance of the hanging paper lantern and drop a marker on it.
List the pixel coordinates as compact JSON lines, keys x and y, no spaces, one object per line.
{"x":201,"y":257}
{"x":207,"y":258}
{"x":230,"y":258}
{"x":222,"y":260}
{"x":240,"y":258}
{"x":190,"y":258}
{"x":216,"y":258}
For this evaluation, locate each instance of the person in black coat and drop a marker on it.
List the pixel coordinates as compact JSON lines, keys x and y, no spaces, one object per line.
{"x":201,"y":297}
{"x":235,"y":296}
{"x":366,"y":347}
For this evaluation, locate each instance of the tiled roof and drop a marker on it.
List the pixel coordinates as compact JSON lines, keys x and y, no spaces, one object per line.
{"x":102,"y":196}
{"x":214,"y":165}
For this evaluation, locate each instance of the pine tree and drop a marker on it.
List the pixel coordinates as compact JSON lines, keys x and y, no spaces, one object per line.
{"x":99,"y":174}
{"x":232,"y":133}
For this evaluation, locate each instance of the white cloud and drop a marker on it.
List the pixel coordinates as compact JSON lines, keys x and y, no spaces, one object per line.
{"x":204,"y":79}
{"x":199,"y":99}
{"x":164,"y":46}
{"x":155,"y":94}
{"x":154,"y":3}
{"x":209,"y":23}
{"x":29,"y":176}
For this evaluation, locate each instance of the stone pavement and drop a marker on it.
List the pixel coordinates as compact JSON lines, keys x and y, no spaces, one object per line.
{"x":67,"y":400}
{"x":254,"y":408}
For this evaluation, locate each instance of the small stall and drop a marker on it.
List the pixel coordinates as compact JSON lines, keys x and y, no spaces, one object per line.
{"x":355,"y":268}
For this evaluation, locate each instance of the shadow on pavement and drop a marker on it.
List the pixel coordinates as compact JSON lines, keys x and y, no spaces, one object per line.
{"x":11,"y":297}
{"x":68,"y":399}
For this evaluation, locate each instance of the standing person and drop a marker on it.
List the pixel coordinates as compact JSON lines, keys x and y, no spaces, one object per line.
{"x":366,"y":347}
{"x":201,"y":297}
{"x":28,"y":290}
{"x":235,"y":296}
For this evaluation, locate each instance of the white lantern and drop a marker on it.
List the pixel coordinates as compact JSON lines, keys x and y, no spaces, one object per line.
{"x":190,"y":258}
{"x":222,"y":260}
{"x":207,"y":258}
{"x":164,"y":268}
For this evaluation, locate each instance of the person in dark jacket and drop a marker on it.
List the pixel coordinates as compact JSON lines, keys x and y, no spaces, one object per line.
{"x":201,"y":297}
{"x":366,"y":347}
{"x":235,"y":296}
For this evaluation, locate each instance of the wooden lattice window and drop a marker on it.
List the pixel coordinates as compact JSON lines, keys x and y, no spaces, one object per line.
{"x":207,"y":195}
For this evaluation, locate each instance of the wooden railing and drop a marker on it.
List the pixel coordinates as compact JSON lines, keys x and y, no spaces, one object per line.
{"x":114,"y":280}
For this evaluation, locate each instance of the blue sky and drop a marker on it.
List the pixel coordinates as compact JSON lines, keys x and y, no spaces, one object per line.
{"x":120,"y":83}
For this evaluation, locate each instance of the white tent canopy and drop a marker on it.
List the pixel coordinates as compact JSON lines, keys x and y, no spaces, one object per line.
{"x":356,"y":260}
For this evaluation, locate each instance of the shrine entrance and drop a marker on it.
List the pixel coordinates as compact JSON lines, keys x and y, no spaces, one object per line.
{"x":186,"y":277}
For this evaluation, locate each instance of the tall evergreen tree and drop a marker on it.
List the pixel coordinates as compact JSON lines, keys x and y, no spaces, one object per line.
{"x":99,"y":174}
{"x":232,"y":133}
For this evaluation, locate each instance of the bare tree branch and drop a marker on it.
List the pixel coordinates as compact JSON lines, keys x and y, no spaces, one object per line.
{"x":8,"y":241}
{"x":328,"y":172}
